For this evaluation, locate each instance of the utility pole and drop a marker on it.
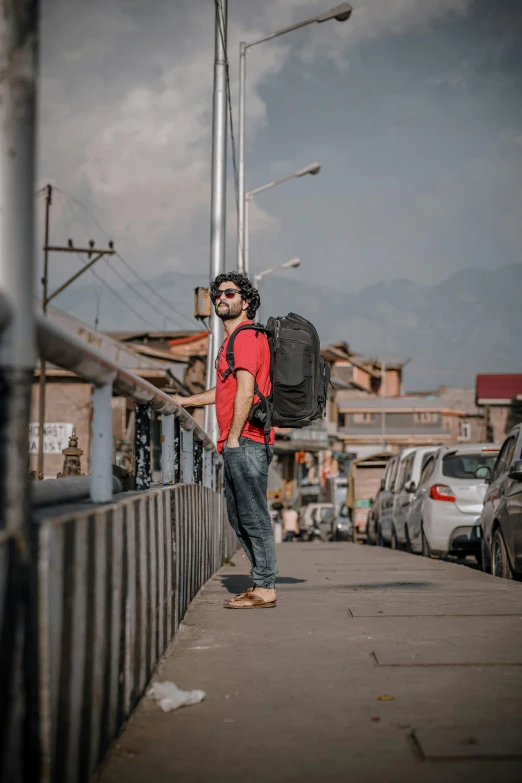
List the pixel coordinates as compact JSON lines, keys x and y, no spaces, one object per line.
{"x":383,"y":414}
{"x":218,"y":196}
{"x":46,"y":298}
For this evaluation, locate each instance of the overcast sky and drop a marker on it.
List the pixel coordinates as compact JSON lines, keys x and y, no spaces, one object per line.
{"x":413,"y":108}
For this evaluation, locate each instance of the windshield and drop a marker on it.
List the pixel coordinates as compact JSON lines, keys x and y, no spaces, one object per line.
{"x":464,"y":466}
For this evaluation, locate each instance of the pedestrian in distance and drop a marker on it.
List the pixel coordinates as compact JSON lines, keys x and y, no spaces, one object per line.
{"x":247,"y":448}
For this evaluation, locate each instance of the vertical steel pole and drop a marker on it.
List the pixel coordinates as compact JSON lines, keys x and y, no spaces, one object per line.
{"x":246,"y":239}
{"x":187,"y":456}
{"x":218,"y":197}
{"x":168,"y":455}
{"x":241,"y":257}
{"x":101,"y":444}
{"x":19,"y":744}
{"x":45,"y":282}
{"x":142,"y":446}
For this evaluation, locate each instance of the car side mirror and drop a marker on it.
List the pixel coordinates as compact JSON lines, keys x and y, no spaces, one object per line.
{"x":411,"y":487}
{"x":484,"y":473}
{"x":515,"y":470}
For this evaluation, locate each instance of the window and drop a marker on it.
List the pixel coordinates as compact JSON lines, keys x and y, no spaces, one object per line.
{"x":505,"y":458}
{"x":340,"y":420}
{"x":428,"y":470}
{"x":464,"y":430}
{"x":363,"y":418}
{"x":425,"y":418}
{"x":465,"y":466}
{"x":394,"y":475}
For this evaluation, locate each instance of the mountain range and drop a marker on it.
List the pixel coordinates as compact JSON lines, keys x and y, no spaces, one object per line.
{"x":469,"y":323}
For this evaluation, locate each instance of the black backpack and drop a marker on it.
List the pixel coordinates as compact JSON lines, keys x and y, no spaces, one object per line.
{"x":298,"y":373}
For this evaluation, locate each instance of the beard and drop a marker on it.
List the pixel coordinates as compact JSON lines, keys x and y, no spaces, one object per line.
{"x":229,"y":311}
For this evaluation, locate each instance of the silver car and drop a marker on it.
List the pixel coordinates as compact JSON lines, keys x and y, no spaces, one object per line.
{"x":384,"y":523}
{"x":410,"y":470}
{"x":445,"y":511}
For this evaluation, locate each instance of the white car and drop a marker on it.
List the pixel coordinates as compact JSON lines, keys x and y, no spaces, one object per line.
{"x":410,"y":469}
{"x":384,"y":523}
{"x":445,"y":511}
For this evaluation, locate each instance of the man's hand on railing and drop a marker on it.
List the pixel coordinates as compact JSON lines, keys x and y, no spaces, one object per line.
{"x":196,"y":400}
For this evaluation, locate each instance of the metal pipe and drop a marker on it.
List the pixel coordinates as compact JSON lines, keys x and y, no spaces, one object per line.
{"x":168,"y":456}
{"x":187,"y":456}
{"x":218,"y":196}
{"x":142,"y":446}
{"x":101,"y":444}
{"x":241,"y":236}
{"x":246,"y":238}
{"x":54,"y":492}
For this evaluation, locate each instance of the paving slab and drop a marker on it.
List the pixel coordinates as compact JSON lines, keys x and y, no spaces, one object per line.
{"x":296,"y":693}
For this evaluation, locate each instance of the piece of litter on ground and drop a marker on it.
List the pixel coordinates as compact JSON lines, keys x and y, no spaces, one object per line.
{"x":386,"y":697}
{"x":375,"y":718}
{"x":169,"y":697}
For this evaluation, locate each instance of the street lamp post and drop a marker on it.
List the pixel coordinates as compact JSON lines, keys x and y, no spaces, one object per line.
{"x":292,"y":264}
{"x":312,"y":168}
{"x":340,"y":13}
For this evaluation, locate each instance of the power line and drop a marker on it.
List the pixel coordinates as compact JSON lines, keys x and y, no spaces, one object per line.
{"x":126,"y":263}
{"x":123,"y":301}
{"x":221,"y":25}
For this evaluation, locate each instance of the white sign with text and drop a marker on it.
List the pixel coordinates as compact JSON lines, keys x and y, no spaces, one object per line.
{"x":56,"y":437}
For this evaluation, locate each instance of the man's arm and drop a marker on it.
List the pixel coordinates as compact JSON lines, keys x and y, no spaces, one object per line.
{"x":207,"y":397}
{"x":242,"y":405}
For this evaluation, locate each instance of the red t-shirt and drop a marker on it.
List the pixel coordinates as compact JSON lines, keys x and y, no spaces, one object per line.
{"x":251,"y":352}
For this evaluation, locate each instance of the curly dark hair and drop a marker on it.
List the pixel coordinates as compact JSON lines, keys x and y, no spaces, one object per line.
{"x":248,"y":292}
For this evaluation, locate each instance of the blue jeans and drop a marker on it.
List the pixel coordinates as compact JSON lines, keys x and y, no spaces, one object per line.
{"x":246,"y":483}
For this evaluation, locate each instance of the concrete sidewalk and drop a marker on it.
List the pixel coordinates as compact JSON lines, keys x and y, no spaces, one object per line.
{"x":293,"y":693}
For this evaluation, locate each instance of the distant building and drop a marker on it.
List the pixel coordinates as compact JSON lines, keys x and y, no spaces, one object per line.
{"x":500,"y":397}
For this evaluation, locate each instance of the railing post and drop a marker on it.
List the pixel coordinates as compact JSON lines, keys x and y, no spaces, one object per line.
{"x":168,"y":454}
{"x":187,"y":456}
{"x":101,"y":444}
{"x":198,"y":461}
{"x":208,"y":469}
{"x":142,"y":446}
{"x":177,"y":451}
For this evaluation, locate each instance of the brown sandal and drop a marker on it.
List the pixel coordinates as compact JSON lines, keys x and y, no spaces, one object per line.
{"x":239,"y":596}
{"x":254,"y":602}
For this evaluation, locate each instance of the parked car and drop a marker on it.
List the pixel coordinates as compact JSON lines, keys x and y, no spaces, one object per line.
{"x":444,"y":513}
{"x":386,"y":532}
{"x":364,"y":481}
{"x":319,"y":515}
{"x":373,"y":517}
{"x":410,"y":468}
{"x":343,"y":525}
{"x":501,"y":518}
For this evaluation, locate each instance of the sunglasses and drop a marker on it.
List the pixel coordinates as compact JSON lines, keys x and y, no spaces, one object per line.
{"x":228,"y":292}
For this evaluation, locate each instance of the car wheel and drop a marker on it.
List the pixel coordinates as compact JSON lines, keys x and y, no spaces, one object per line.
{"x":499,"y":557}
{"x":485,"y":555}
{"x":379,"y":538}
{"x":394,"y":542}
{"x":425,"y":551}
{"x":407,"y":546}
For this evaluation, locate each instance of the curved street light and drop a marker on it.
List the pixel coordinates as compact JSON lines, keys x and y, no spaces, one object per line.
{"x":312,"y":168}
{"x":339,"y":13}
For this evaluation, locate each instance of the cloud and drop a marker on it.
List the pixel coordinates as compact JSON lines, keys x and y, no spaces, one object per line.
{"x":126,"y":101}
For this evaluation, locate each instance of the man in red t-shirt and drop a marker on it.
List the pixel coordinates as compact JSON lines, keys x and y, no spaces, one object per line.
{"x":246,"y":455}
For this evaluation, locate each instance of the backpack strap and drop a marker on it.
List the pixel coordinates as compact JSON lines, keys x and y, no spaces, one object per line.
{"x":258,"y":328}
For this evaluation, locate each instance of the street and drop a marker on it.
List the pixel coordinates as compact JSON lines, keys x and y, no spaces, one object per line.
{"x":376,"y":665}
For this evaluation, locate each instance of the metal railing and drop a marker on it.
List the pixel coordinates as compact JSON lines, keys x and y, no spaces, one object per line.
{"x":187,"y":452}
{"x":113,"y":577}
